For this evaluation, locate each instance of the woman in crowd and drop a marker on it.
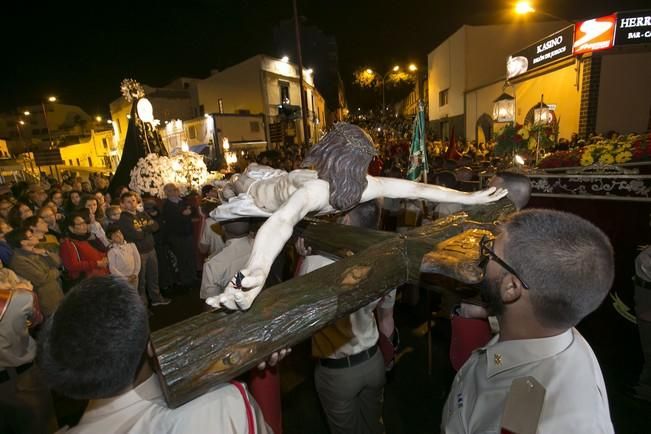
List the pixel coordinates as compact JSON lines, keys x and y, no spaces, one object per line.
{"x":19,"y":213}
{"x":40,"y":230}
{"x":38,"y":266}
{"x":49,"y":214}
{"x":95,"y":217}
{"x":74,"y":202}
{"x":82,"y":254}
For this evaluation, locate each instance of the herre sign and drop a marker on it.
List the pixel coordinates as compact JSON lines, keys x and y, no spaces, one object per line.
{"x":633,"y":28}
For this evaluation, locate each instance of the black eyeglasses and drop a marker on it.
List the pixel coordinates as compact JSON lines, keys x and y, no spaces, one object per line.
{"x":486,"y":250}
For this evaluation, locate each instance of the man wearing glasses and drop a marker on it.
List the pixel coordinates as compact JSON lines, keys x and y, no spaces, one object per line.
{"x":545,"y":271}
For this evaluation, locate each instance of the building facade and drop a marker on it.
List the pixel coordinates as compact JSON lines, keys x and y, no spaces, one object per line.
{"x":472,"y":58}
{"x":270,"y":87}
{"x":94,"y":153}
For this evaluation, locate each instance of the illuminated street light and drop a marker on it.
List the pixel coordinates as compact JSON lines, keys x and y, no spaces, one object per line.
{"x":98,"y":118}
{"x":412,"y":67}
{"x":21,"y":122}
{"x":52,"y":99}
{"x":26,"y":113}
{"x":285,"y":59}
{"x":110,"y":122}
{"x":523,"y":8}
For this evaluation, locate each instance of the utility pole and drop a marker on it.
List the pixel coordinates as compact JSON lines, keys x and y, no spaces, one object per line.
{"x":306,"y":129}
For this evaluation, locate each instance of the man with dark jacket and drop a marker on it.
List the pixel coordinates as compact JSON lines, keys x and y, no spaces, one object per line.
{"x":177,"y":215}
{"x":137,"y":227}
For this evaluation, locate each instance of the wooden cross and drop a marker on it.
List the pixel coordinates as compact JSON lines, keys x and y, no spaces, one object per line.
{"x":213,"y":347}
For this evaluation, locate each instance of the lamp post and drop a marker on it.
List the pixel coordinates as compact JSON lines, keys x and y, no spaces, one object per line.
{"x":47,"y":125}
{"x":541,"y":116}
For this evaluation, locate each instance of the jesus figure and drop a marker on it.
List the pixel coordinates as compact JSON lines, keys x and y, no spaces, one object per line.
{"x":336,"y":182}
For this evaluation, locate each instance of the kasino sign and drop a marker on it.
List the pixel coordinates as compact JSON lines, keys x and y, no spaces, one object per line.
{"x":554,"y":47}
{"x":633,"y":28}
{"x":594,"y":35}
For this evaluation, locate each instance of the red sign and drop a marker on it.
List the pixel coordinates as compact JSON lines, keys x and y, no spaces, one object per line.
{"x":594,"y":35}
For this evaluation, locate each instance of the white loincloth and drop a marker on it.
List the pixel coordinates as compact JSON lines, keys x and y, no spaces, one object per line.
{"x":243,"y":204}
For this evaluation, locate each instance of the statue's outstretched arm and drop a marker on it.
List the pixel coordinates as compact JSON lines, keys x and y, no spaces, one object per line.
{"x":269,"y":241}
{"x":404,"y":189}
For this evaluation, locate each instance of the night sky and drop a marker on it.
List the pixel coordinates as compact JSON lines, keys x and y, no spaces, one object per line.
{"x":80,"y":53}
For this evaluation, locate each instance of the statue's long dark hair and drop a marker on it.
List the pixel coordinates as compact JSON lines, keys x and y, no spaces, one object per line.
{"x":341,"y":158}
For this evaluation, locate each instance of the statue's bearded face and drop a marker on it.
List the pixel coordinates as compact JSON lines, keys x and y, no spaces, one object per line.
{"x":342,"y":158}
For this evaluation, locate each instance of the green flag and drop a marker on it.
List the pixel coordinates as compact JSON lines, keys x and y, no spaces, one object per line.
{"x":418,"y":152}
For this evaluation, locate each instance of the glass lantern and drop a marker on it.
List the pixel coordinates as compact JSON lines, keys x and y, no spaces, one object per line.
{"x":504,"y":108}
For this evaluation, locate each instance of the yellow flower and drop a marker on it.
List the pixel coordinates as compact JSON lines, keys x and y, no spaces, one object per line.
{"x":606,"y":159}
{"x":532,"y":144}
{"x":623,"y":157}
{"x":524,"y":133}
{"x":586,"y":159}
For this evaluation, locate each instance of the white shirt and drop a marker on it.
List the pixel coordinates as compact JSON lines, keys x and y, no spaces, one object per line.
{"x":124,"y":260}
{"x":220,"y":269}
{"x":143,"y":410}
{"x":575,"y":398}
{"x":96,"y":229}
{"x":16,"y":345}
{"x":210,"y":238}
{"x":348,"y":335}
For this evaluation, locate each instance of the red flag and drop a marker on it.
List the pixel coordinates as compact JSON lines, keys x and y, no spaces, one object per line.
{"x":452,"y":153}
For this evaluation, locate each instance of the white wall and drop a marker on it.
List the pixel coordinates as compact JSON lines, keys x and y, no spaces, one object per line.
{"x":446,"y":70}
{"x":624,"y":93}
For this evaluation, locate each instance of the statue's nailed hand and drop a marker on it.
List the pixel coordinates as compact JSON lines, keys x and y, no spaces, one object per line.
{"x":489,"y":195}
{"x":241,"y":291}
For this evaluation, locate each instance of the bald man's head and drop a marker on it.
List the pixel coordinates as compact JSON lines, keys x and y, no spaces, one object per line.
{"x":518,"y":186}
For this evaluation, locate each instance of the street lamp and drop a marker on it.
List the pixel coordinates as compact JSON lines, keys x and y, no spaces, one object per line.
{"x":98,"y":118}
{"x":523,"y":8}
{"x":412,"y":67}
{"x":52,"y":99}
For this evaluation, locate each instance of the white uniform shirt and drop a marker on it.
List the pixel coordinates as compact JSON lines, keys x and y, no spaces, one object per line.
{"x":575,"y":399}
{"x":220,"y":269}
{"x":348,"y":335}
{"x":143,"y":410}
{"x":210,"y":238}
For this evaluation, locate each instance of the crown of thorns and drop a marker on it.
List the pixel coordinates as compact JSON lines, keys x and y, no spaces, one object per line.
{"x":355,"y":142}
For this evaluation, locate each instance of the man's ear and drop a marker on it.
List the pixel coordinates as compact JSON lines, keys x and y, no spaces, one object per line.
{"x":510,"y":288}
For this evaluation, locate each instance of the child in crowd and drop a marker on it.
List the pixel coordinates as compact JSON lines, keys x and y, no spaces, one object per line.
{"x":124,"y":259}
{"x":112,"y":216}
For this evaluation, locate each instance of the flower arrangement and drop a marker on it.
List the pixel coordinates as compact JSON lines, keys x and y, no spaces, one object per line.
{"x":617,"y":150}
{"x":516,"y":138}
{"x":190,"y":171}
{"x":186,"y":169}
{"x":561,"y":159}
